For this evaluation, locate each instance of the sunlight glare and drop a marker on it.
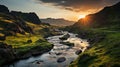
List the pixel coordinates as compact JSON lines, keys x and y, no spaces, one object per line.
{"x":81,"y":16}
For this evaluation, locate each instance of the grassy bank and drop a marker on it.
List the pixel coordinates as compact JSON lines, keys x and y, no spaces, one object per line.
{"x":23,"y":44}
{"x":21,"y":39}
{"x":104,"y":50}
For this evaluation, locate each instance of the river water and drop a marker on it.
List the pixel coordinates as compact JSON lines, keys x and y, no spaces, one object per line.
{"x":50,"y":58}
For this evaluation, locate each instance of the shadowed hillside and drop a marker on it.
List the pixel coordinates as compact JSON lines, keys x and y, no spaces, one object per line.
{"x":30,"y":17}
{"x":102,"y":30}
{"x":22,"y":35}
{"x":10,"y":24}
{"x":107,"y":17}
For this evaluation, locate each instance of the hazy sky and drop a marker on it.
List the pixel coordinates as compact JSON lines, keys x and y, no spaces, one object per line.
{"x":68,"y":9}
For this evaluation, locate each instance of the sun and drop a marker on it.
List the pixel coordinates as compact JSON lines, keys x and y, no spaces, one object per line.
{"x":81,"y":16}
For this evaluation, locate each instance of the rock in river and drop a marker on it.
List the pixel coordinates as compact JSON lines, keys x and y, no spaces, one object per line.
{"x":58,"y":53}
{"x":39,"y":61}
{"x":61,"y":59}
{"x":78,"y":52}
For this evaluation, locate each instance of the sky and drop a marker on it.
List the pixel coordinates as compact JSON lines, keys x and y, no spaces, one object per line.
{"x":68,"y":9}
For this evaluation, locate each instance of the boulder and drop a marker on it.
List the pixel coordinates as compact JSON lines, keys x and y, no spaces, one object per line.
{"x":78,"y":52}
{"x":71,"y":62}
{"x":65,"y":37}
{"x":39,"y":61}
{"x":61,"y":59}
{"x":68,"y":44}
{"x":6,"y":53}
{"x":58,"y":53}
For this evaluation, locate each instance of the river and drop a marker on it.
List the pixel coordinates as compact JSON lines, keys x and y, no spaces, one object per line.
{"x":59,"y":50}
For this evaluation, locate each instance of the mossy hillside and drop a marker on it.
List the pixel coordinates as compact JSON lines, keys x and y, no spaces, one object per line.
{"x":102,"y":53}
{"x":44,"y":30}
{"x":10,"y":25}
{"x":26,"y":39}
{"x":23,"y":43}
{"x":24,"y":46}
{"x":102,"y":30}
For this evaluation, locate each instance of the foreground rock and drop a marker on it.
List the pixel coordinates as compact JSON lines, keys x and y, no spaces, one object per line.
{"x":6,"y":53}
{"x":61,"y":59}
{"x":58,"y":53}
{"x":68,"y":44}
{"x":65,"y":37}
{"x":78,"y":52}
{"x":39,"y":61}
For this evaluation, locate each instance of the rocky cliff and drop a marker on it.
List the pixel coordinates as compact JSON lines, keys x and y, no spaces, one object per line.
{"x":29,"y":17}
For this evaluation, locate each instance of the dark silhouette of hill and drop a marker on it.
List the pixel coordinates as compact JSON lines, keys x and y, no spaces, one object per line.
{"x":102,"y":31}
{"x":10,"y":24}
{"x":30,"y":17}
{"x":19,"y":31}
{"x":108,"y":16}
{"x":4,"y":9}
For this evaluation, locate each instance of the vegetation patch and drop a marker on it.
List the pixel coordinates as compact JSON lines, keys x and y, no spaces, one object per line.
{"x":103,"y":53}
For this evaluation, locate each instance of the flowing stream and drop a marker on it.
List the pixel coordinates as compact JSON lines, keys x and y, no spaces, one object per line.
{"x":50,"y":59}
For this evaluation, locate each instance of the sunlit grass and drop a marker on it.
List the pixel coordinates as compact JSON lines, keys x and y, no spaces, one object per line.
{"x":104,"y":53}
{"x":21,"y":39}
{"x":6,"y":20}
{"x":22,"y":46}
{"x":1,"y":34}
{"x":1,"y":29}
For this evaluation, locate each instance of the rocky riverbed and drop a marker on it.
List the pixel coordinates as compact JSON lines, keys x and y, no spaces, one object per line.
{"x":60,"y":56}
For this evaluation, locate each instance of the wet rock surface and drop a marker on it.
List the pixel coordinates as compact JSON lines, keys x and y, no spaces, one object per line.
{"x":61,"y":59}
{"x":6,"y":53}
{"x":61,"y":55}
{"x":78,"y":52}
{"x":65,"y":37}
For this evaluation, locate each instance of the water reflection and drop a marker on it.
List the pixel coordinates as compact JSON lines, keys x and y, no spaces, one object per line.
{"x":50,"y":58}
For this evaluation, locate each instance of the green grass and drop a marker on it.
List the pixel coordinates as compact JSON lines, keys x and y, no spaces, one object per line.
{"x":21,"y":45}
{"x":105,"y":53}
{"x":24,"y":37}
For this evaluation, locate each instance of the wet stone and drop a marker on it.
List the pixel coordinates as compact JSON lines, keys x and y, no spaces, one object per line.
{"x":61,"y":59}
{"x":78,"y":52}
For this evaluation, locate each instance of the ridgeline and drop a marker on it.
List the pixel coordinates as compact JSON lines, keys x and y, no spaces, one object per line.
{"x":102,"y":30}
{"x":20,"y":35}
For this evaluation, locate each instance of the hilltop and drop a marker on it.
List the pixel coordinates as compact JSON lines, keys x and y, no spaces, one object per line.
{"x":107,"y":17}
{"x":22,"y":35}
{"x":102,"y":31}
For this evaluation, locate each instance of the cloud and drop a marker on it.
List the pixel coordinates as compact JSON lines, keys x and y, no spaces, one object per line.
{"x":79,"y":5}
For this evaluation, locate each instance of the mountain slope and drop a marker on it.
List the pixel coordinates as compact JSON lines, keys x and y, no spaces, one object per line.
{"x":102,"y":30}
{"x":10,"y":25}
{"x":57,"y":22}
{"x":22,"y":35}
{"x":109,"y":16}
{"x":4,"y":9}
{"x":29,"y":17}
